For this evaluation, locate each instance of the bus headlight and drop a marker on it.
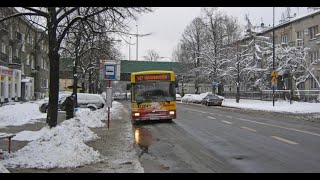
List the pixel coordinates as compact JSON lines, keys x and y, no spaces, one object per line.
{"x":171,"y":112}
{"x":136,"y":114}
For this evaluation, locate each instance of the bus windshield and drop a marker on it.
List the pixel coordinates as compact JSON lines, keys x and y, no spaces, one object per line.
{"x":154,"y":92}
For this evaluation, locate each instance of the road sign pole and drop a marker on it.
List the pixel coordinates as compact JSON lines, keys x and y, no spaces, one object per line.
{"x":109,"y":85}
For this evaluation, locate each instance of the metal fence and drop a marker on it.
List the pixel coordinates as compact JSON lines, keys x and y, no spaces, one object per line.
{"x":266,"y":95}
{"x":307,"y":95}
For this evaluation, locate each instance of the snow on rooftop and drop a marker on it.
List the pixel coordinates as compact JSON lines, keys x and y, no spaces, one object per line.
{"x":18,"y":114}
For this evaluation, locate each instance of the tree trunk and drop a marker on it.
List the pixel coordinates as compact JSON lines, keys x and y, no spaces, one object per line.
{"x":90,"y":82}
{"x":52,"y":115}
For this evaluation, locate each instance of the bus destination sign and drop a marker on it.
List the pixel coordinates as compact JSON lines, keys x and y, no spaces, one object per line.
{"x":153,"y":77}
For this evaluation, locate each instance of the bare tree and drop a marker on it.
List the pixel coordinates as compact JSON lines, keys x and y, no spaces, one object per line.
{"x":59,"y":20}
{"x":152,"y":55}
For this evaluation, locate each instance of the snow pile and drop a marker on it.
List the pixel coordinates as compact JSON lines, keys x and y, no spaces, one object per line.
{"x":93,"y":118}
{"x":19,"y":114}
{"x":29,"y":135}
{"x":62,"y":146}
{"x":280,"y":106}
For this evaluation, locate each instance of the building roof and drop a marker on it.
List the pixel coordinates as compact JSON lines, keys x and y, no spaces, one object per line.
{"x":128,"y":66}
{"x":297,"y":18}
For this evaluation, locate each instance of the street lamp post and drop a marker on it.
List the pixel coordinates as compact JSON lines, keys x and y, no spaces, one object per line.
{"x":273,"y":87}
{"x":137,"y":44}
{"x":130,"y":48}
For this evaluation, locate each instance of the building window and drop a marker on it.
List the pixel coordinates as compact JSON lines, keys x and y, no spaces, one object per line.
{"x":41,"y":63}
{"x":32,"y":62}
{"x":3,"y":48}
{"x":313,"y":83}
{"x":28,"y":59}
{"x":314,"y":55}
{"x":17,"y":53}
{"x":313,"y":31}
{"x":23,"y":43}
{"x":301,"y":86}
{"x":11,"y":32}
{"x":284,"y":39}
{"x":300,"y":38}
{"x":10,"y":54}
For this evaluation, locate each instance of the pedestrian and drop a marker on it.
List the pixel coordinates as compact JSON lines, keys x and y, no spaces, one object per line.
{"x":68,"y":106}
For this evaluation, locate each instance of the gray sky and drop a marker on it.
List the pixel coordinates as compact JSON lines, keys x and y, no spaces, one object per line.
{"x":168,"y":23}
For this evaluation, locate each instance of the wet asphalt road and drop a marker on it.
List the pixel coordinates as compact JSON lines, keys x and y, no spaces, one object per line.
{"x":220,"y":139}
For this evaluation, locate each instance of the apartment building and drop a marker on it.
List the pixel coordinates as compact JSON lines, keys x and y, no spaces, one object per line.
{"x":24,"y":63}
{"x":302,"y":31}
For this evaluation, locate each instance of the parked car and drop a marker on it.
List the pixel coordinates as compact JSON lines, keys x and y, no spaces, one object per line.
{"x":212,"y":99}
{"x":187,"y":98}
{"x":198,"y":99}
{"x":85,"y":100}
{"x":178,"y":97}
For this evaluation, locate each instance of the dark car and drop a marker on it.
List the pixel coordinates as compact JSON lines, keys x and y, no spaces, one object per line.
{"x":212,"y":100}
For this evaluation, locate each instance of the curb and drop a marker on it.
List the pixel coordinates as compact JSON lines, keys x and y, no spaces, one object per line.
{"x":3,"y":169}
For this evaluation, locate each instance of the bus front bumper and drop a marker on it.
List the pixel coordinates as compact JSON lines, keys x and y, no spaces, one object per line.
{"x":156,"y":115}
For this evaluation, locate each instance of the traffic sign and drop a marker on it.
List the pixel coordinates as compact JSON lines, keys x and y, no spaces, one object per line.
{"x":274,"y":73}
{"x":274,"y":80}
{"x":110,"y":71}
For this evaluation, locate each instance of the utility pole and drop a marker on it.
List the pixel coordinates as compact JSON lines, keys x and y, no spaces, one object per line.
{"x":130,"y":48}
{"x":238,"y":79}
{"x":273,"y":87}
{"x":137,"y":44}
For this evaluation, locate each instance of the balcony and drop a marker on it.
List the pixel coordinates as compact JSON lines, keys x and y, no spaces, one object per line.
{"x":15,"y":64}
{"x":15,"y":38}
{"x":3,"y":31}
{"x":4,"y":58}
{"x":35,"y":69}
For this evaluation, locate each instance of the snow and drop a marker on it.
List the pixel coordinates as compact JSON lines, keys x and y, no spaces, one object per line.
{"x":280,"y":106}
{"x":64,"y":145}
{"x":18,"y":114}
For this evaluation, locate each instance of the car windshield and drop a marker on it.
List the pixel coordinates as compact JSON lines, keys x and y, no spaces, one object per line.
{"x":154,"y":92}
{"x":213,"y":97}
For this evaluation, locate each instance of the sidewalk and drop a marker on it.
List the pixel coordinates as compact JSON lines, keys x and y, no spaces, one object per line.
{"x":115,"y":145}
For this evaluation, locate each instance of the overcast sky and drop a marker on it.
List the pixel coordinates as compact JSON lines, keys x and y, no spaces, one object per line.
{"x":168,"y":23}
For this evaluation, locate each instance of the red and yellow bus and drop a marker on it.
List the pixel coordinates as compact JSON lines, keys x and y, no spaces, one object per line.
{"x":153,"y":95}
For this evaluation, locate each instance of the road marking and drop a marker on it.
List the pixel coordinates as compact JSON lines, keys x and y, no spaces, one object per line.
{"x":291,"y":129}
{"x":212,"y":113}
{"x":284,"y":140}
{"x":211,"y":117}
{"x":229,"y":117}
{"x":195,"y":110}
{"x":249,"y":129}
{"x":227,"y":122}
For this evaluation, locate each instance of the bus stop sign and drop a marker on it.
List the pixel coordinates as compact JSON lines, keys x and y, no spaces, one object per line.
{"x":110,"y":71}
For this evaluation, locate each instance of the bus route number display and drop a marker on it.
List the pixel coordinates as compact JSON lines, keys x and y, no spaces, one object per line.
{"x":153,"y":77}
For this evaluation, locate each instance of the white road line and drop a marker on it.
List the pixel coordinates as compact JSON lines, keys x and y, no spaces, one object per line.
{"x":195,"y":110}
{"x":212,"y":113}
{"x":229,"y":117}
{"x":249,"y":129}
{"x":284,"y":140}
{"x":291,"y":129}
{"x":211,"y":117}
{"x":227,"y":122}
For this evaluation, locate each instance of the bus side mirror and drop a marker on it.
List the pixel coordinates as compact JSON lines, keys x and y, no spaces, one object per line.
{"x":128,"y":86}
